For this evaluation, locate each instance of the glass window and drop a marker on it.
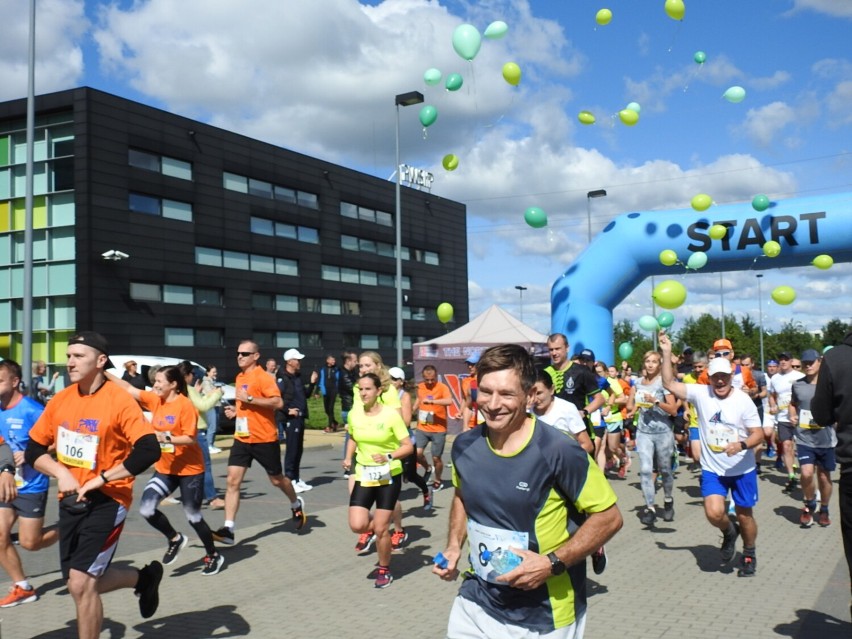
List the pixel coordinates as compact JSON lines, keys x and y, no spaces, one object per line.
{"x":234,"y":182}
{"x":262,"y":301}
{"x":386,"y":280}
{"x":286,"y":339}
{"x":177,"y":168}
{"x":62,"y":313}
{"x":263,"y":263}
{"x":61,"y":278}
{"x":348,"y":209}
{"x":330,"y":273}
{"x":287,"y":303}
{"x":174,"y":294}
{"x":144,"y":204}
{"x":262,"y":226}
{"x":260,"y":188}
{"x":310,"y":340}
{"x":211,"y":337}
{"x":368,"y":246}
{"x":350,"y":275}
{"x":309,"y":305}
{"x":146,"y":292}
{"x":61,"y":210}
{"x":308,"y":200}
{"x":308,"y":235}
{"x":286,"y":230}
{"x":349,"y":242}
{"x":234,"y":259}
{"x":62,"y":140}
{"x":330,"y":307}
{"x":208,"y":296}
{"x":177,"y":210}
{"x":143,"y":160}
{"x":406,"y":255}
{"x":262,"y":338}
{"x":351,"y":308}
{"x":175,"y":336}
{"x":369,"y":342}
{"x":285,"y":195}
{"x":386,"y":342}
{"x":208,"y":256}
{"x":369,"y":278}
{"x":5,"y":184}
{"x":406,"y":283}
{"x":368,"y":215}
{"x":385,"y":250}
{"x":62,"y":174}
{"x":286,"y":267}
{"x":384,"y":218}
{"x":430,"y":257}
{"x":418,"y":313}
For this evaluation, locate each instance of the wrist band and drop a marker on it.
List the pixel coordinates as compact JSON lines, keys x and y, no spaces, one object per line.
{"x":103,"y":476}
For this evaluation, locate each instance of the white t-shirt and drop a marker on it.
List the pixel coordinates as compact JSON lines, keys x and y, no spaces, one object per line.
{"x":782,"y":385}
{"x":720,"y":422}
{"x":564,"y":416}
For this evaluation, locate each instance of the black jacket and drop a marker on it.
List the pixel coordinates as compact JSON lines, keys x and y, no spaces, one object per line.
{"x":832,"y":400}
{"x":294,"y":393}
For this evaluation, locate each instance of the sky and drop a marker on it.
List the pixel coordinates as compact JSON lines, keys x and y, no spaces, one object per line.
{"x":319,"y":77}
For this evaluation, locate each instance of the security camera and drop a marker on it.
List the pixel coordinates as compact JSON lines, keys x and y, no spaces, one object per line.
{"x":114,"y":256}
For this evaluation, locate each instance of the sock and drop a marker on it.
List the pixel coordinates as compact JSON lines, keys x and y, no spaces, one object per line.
{"x":792,"y":475}
{"x":229,"y":524}
{"x":749,"y":551}
{"x":25,"y":584}
{"x":295,"y":504}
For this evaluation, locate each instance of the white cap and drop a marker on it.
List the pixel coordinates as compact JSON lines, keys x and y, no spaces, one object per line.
{"x":719,"y":365}
{"x":292,"y":353}
{"x":396,"y":373}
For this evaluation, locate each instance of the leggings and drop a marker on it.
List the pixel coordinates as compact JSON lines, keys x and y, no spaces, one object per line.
{"x":191,"y":490}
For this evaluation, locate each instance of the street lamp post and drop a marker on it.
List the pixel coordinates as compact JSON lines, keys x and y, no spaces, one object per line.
{"x":760,"y":316}
{"x":521,"y":290}
{"x":589,"y":196}
{"x":403,"y":99}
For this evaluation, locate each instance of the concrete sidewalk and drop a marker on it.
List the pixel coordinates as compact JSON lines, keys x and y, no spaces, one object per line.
{"x":280,"y":583}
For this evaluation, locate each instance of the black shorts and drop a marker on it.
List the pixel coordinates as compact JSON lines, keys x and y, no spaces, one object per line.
{"x":88,"y":536}
{"x":28,"y":505}
{"x":267,"y":454}
{"x":384,"y":497}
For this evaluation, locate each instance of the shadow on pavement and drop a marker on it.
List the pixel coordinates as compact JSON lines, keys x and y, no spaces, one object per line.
{"x":221,"y":621}
{"x":111,"y":630}
{"x":790,"y":513}
{"x":815,"y":624}
{"x":706,"y":557}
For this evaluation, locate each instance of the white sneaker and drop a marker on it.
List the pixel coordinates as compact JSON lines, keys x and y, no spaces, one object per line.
{"x":301,"y":487}
{"x":213,"y":450}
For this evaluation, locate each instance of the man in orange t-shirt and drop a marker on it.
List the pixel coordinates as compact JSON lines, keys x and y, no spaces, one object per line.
{"x":102,"y":442}
{"x":255,"y":438}
{"x":433,"y":397}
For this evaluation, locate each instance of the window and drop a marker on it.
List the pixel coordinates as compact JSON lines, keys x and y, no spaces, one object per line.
{"x":348,"y":209}
{"x":385,"y":219}
{"x":330,"y":273}
{"x":233,"y":259}
{"x":177,"y":210}
{"x":174,"y":294}
{"x":144,"y":204}
{"x":369,"y":278}
{"x":260,"y":188}
{"x":179,"y":336}
{"x":262,"y":226}
{"x":285,"y":195}
{"x":349,"y":242}
{"x":210,"y":337}
{"x":308,"y":235}
{"x":234,"y":182}
{"x":150,"y":205}
{"x":310,"y":340}
{"x":287,"y":231}
{"x":62,"y":174}
{"x":159,"y":164}
{"x":263,"y":263}
{"x":262,"y":301}
{"x":287,"y":303}
{"x":208,"y":297}
{"x":145,"y":292}
{"x":350,"y":308}
{"x":309,"y":305}
{"x":430,"y":257}
{"x":308,"y":200}
{"x":208,"y":256}
{"x":286,"y":267}
{"x":370,"y":342}
{"x":268,"y":191}
{"x":330,"y":307}
{"x":350,"y":275}
{"x":365,"y":214}
{"x":176,"y":168}
{"x":286,"y":339}
{"x":142,"y":160}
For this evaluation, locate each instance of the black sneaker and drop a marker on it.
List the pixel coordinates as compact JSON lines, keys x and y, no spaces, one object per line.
{"x":648,"y":516}
{"x":174,"y":548}
{"x":427,"y":474}
{"x":729,"y":544}
{"x":148,"y":588}
{"x":748,"y":567}
{"x":599,"y":560}
{"x":224,"y":536}
{"x":299,"y":515}
{"x":668,"y":510}
{"x":791,"y":485}
{"x":212,"y":564}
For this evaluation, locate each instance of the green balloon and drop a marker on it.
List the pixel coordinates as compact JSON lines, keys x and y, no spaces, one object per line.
{"x":648,"y":323}
{"x":428,"y":115}
{"x":697,"y":260}
{"x":496,"y":30}
{"x":760,"y":203}
{"x":734,"y":94}
{"x":783,"y":295}
{"x":669,"y":294}
{"x":625,"y":350}
{"x":432,"y":76}
{"x":699,"y":57}
{"x":668,"y":257}
{"x":535,"y":217}
{"x":445,"y":312}
{"x":665,"y":319}
{"x":466,"y":41}
{"x":454,"y":82}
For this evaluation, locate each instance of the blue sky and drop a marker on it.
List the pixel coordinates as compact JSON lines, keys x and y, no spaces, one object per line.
{"x":319,"y":76}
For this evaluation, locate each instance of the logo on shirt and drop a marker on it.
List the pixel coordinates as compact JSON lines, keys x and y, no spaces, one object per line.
{"x":717,"y":418}
{"x":522,"y":485}
{"x":88,"y":424}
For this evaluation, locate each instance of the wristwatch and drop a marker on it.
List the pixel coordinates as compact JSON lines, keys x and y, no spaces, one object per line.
{"x":557,"y":566}
{"x":8,"y":468}
{"x":249,"y":398}
{"x":744,"y":445}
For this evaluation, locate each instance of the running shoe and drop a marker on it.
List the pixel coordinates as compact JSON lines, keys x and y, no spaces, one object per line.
{"x":174,"y":549}
{"x":18,"y":595}
{"x":398,"y":537}
{"x":790,"y":486}
{"x":213,"y":450}
{"x":365,"y":542}
{"x":748,"y":567}
{"x":806,"y":519}
{"x":301,"y":486}
{"x":823,"y":519}
{"x":427,"y":474}
{"x":770,"y":452}
{"x":427,"y":499}
{"x":299,"y":515}
{"x":729,"y":544}
{"x":437,"y":485}
{"x":648,"y":516}
{"x":383,"y":577}
{"x":599,"y":560}
{"x":224,"y":536}
{"x":668,"y":510}
{"x":148,"y":588}
{"x":212,"y":564}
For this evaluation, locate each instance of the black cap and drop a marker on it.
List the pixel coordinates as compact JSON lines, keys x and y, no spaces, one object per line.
{"x":784,"y":355}
{"x":588,"y":354}
{"x":687,"y":349}
{"x":90,"y":338}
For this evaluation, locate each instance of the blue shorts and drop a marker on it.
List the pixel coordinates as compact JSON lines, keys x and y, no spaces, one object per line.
{"x":822,"y":457}
{"x":743,"y":487}
{"x":694,"y":434}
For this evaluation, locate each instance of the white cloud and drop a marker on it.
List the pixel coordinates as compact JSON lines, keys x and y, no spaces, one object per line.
{"x":832,"y":68}
{"x":763,"y":124}
{"x":60,"y":24}
{"x":837,"y":8}
{"x":773,"y":81}
{"x":838,"y":102}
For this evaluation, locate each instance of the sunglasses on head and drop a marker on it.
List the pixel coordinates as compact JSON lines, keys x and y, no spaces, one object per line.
{"x":722,"y":353}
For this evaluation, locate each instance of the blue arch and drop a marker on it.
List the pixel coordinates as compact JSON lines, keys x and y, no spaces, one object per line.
{"x":627,"y":251}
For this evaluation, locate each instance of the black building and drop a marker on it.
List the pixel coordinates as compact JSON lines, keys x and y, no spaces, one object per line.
{"x":173,"y":237}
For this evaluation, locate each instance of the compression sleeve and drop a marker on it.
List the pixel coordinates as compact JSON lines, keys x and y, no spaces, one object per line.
{"x":6,"y":457}
{"x":34,"y":451}
{"x":146,"y":451}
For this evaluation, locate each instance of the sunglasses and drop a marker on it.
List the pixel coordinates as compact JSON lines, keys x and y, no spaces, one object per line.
{"x":796,"y":366}
{"x":722,"y":353}
{"x":245,"y":353}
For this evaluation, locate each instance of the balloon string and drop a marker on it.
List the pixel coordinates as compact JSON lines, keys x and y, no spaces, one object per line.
{"x":692,"y":76}
{"x":676,"y":33}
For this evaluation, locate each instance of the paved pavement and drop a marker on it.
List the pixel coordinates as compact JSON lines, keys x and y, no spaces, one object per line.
{"x":280,"y":583}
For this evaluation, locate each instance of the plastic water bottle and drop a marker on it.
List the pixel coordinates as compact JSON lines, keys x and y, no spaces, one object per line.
{"x":502,"y":561}
{"x":441,"y":561}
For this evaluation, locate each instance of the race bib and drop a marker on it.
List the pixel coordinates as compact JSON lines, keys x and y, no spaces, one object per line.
{"x":376,"y":475}
{"x":806,"y":420}
{"x":19,"y":479}
{"x":486,"y":539}
{"x":426,"y":416}
{"x":241,"y":427}
{"x":77,"y":449}
{"x":719,"y":436}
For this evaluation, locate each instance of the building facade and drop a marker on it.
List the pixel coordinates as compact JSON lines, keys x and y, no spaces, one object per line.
{"x":172,"y":237}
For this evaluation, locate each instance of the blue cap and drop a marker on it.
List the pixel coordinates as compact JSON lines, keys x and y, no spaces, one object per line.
{"x":809,"y":355}
{"x":473,"y":359}
{"x":772,"y":362}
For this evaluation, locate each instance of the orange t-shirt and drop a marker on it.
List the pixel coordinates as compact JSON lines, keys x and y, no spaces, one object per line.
{"x":432,"y":418}
{"x":93,"y":433}
{"x":176,"y":418}
{"x":259,"y":421}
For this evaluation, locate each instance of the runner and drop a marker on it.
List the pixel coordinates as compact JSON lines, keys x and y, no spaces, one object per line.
{"x":102,"y":442}
{"x":379,"y":440}
{"x":557,"y":412}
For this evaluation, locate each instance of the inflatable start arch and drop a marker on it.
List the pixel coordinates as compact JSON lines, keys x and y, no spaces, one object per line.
{"x":627,"y":251}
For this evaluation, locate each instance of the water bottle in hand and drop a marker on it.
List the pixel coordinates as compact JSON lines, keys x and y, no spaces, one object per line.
{"x":441,"y":561}
{"x":502,"y":561}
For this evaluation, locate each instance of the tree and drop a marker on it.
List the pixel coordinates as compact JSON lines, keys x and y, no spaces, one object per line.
{"x":834,"y":332}
{"x":625,"y":332}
